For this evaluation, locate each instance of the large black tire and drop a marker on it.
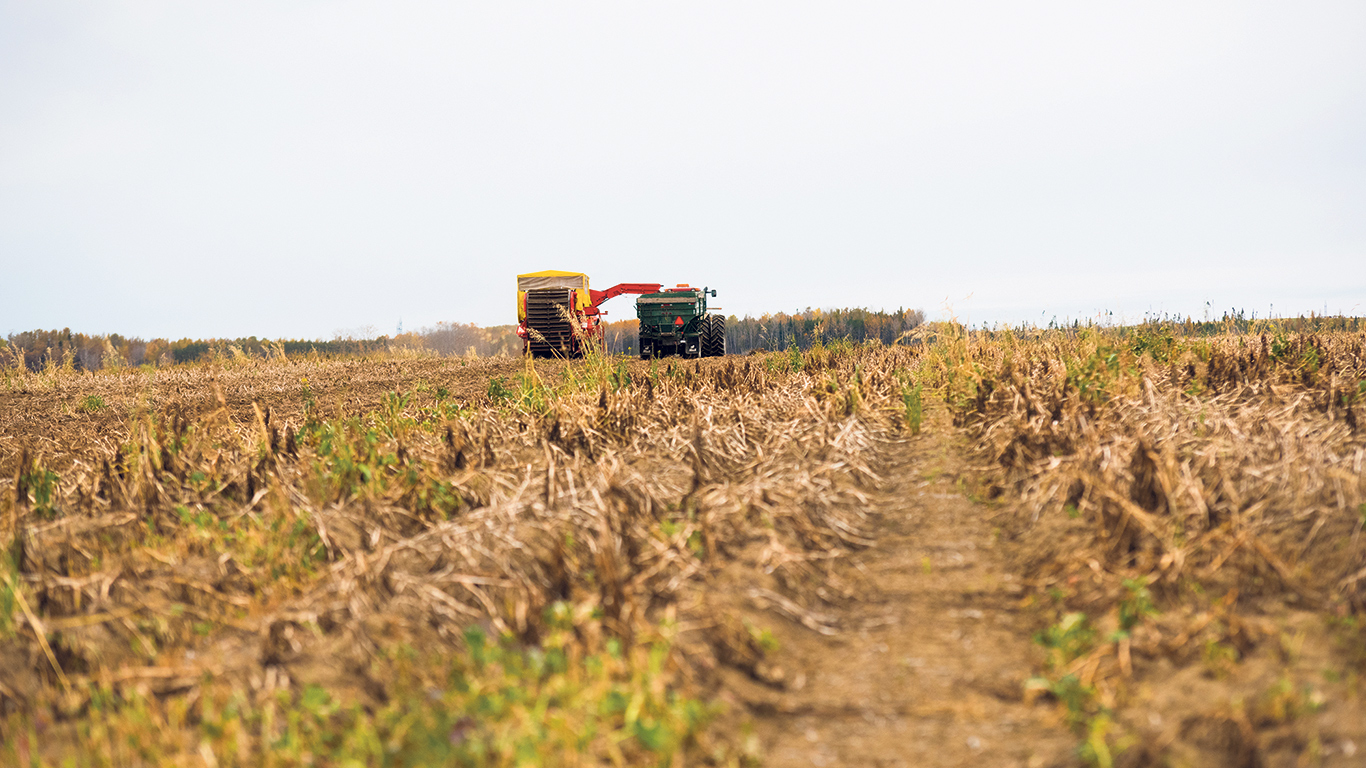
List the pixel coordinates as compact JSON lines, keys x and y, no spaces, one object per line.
{"x":713,"y":336}
{"x":647,"y":349}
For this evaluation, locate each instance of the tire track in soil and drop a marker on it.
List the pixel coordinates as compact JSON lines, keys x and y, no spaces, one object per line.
{"x":927,"y":669}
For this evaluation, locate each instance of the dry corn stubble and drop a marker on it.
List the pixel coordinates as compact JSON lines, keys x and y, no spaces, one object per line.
{"x":1185,"y":512}
{"x":293,"y":552}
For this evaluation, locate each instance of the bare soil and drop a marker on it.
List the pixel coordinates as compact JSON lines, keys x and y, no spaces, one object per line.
{"x":927,"y":668}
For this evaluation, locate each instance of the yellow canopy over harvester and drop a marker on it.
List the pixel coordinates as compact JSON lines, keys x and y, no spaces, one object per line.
{"x":552,"y":278}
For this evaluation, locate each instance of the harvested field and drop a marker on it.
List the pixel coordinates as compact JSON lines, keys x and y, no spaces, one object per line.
{"x":1054,"y":548}
{"x":1187,"y":515}
{"x":221,"y":558}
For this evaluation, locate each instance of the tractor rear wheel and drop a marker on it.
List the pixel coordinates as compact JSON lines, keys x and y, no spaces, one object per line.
{"x":713,"y":336}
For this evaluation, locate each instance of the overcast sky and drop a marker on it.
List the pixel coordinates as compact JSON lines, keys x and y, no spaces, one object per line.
{"x":292,"y":169}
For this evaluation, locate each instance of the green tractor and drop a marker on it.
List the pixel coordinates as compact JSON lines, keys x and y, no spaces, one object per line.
{"x":675,"y":322}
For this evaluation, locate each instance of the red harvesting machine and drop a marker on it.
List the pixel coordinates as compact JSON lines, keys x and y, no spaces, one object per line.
{"x":558,"y":314}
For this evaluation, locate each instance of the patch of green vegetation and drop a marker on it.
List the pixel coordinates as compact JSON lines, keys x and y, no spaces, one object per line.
{"x":1071,"y":637}
{"x":310,"y":404}
{"x":762,"y":638}
{"x":9,"y":601}
{"x":911,"y":399}
{"x":1219,"y":658}
{"x":1157,"y":340}
{"x":495,"y":704}
{"x":37,"y":486}
{"x":1065,"y":641}
{"x":1136,"y":605}
{"x":1094,"y":376}
{"x":1068,"y":690}
{"x":620,"y":377}
{"x":92,"y":404}
{"x":1096,"y":749}
{"x":392,"y":417}
{"x":499,"y":391}
{"x":788,"y":361}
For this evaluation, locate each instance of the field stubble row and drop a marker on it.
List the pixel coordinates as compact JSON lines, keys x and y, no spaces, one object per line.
{"x":418,"y":560}
{"x":1188,"y":516}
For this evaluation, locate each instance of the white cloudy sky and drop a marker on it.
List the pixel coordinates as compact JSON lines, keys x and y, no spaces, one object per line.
{"x":288,"y":169}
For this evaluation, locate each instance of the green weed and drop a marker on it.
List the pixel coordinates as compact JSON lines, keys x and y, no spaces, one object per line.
{"x":911,"y":399}
{"x":92,"y":404}
{"x":620,"y":377}
{"x":9,"y":603}
{"x":1093,"y":376}
{"x":37,"y":486}
{"x":1136,"y":605}
{"x":1218,"y":658}
{"x":498,"y":390}
{"x":1068,"y":639}
{"x":1065,"y":641}
{"x":762,"y":638}
{"x":1157,"y":340}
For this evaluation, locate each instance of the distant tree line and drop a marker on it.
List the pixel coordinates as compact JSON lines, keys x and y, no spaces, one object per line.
{"x":804,"y":328}
{"x":33,"y":349}
{"x":1234,"y":321}
{"x":781,"y":330}
{"x":469,"y":340}
{"x":1238,"y":321}
{"x":88,"y":352}
{"x":36,"y":350}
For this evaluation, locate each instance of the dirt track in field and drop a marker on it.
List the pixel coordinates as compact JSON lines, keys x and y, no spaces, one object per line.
{"x":927,"y":669}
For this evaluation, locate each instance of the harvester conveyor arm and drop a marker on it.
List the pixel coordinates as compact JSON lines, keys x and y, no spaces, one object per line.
{"x":599,"y":297}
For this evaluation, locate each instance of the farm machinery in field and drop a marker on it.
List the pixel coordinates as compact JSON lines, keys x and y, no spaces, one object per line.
{"x":558,"y":315}
{"x":675,"y":322}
